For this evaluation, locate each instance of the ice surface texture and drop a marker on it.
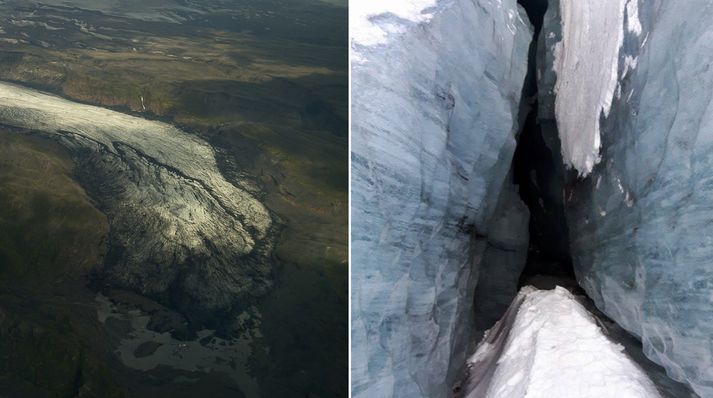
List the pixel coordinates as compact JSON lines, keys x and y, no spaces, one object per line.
{"x":176,"y":222}
{"x":503,"y":260}
{"x":641,"y":224}
{"x":434,"y":111}
{"x":586,"y":63}
{"x":549,"y":346}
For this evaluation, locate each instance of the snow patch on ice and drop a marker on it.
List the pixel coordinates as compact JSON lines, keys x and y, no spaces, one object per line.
{"x":630,"y":64}
{"x":586,"y":63}
{"x":548,"y":345}
{"x":632,"y":14}
{"x":361,"y":14}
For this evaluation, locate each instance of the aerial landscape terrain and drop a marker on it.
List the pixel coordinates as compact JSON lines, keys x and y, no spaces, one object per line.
{"x":173,"y":198}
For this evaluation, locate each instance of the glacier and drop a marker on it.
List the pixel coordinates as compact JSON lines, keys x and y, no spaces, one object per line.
{"x":641,"y":222}
{"x":176,"y":223}
{"x":436,"y":90}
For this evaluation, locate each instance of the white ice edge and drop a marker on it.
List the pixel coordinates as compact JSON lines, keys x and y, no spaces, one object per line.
{"x":587,"y":64}
{"x":367,"y":33}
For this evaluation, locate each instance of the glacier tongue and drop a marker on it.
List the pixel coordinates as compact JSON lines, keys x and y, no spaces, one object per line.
{"x":549,"y":346}
{"x":177,"y":225}
{"x":434,"y":109}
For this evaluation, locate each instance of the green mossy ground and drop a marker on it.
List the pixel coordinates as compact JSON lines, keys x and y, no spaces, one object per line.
{"x":50,"y":236}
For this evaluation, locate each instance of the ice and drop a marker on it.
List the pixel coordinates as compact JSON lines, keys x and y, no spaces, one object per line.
{"x":165,"y":199}
{"x":435,"y":112}
{"x":435,"y":103}
{"x":641,"y":225}
{"x":586,"y":63}
{"x":549,"y":346}
{"x":503,"y":259}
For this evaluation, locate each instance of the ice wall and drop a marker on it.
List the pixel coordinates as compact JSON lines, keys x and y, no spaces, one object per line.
{"x":503,"y":259}
{"x":641,"y":224}
{"x":436,"y":90}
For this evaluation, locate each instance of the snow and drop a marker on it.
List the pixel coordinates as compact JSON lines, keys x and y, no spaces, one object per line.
{"x":548,"y":346}
{"x":632,"y":13}
{"x":587,"y":73}
{"x":365,"y":31}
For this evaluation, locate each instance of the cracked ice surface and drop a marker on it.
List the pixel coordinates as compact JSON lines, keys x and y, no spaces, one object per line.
{"x":434,"y":112}
{"x":168,"y":204}
{"x":548,"y":345}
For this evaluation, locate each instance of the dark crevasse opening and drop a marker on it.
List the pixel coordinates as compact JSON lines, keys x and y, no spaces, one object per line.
{"x":536,"y":170}
{"x":527,"y":240}
{"x":533,"y":200}
{"x":535,"y":10}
